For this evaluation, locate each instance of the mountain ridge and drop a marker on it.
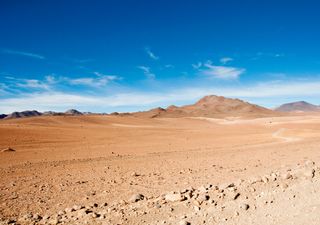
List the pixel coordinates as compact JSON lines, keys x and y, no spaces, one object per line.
{"x":299,"y":106}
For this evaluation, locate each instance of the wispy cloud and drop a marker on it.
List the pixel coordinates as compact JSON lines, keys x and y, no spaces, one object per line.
{"x":260,"y":55}
{"x":99,"y":81}
{"x":197,"y":65}
{"x":53,"y":82}
{"x":82,"y":60}
{"x":169,"y":66}
{"x":13,"y":84}
{"x":151,"y":54}
{"x":28,"y":54}
{"x":3,"y":89}
{"x":223,"y":72}
{"x":32,"y":83}
{"x":147,"y":72}
{"x":226,"y":60}
{"x":220,"y":72}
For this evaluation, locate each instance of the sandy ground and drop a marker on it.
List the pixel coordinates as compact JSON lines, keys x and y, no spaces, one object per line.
{"x":87,"y":169}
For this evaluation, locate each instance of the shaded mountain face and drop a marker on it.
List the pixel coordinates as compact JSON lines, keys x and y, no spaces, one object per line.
{"x":301,"y":106}
{"x":3,"y":116}
{"x":211,"y":106}
{"x":23,"y":114}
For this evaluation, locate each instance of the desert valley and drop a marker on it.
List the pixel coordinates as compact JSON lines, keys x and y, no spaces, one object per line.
{"x":218,"y":161}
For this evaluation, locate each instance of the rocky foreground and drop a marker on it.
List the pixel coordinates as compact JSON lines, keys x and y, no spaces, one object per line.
{"x":289,"y":195}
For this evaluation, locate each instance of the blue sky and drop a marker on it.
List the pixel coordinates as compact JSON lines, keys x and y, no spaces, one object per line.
{"x":105,"y":56}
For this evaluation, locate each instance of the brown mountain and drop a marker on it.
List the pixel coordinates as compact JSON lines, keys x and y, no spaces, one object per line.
{"x":301,"y":106}
{"x":211,"y":106}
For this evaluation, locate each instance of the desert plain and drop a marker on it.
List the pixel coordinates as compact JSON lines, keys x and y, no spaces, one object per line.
{"x":105,"y":169}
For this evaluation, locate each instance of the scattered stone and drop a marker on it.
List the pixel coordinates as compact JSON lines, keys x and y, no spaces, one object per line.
{"x":184,"y":222}
{"x":202,"y":189}
{"x":8,"y":150}
{"x":69,"y":210}
{"x":309,"y":163}
{"x":287,"y":176}
{"x":236,"y":195}
{"x":265,"y":179}
{"x":196,"y":208}
{"x":244,"y":206}
{"x":255,"y":180}
{"x":174,"y":197}
{"x":203,"y":197}
{"x":134,"y":174}
{"x":196,"y":203}
{"x":225,"y":186}
{"x":283,"y":186}
{"x":309,"y":173}
{"x":136,"y":198}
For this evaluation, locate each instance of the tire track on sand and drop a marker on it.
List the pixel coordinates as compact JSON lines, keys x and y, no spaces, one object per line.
{"x":279,"y":134}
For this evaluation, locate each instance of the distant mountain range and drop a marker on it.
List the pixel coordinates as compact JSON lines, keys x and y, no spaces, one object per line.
{"x":32,"y":113}
{"x":208,"y":106}
{"x":300,"y":106}
{"x":23,"y":114}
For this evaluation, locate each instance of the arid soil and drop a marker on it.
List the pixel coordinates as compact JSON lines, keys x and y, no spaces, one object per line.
{"x":128,"y":170}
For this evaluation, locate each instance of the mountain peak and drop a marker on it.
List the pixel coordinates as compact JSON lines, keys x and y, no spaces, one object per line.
{"x":73,"y":112}
{"x":211,"y":106}
{"x":301,"y":106}
{"x":210,"y":99}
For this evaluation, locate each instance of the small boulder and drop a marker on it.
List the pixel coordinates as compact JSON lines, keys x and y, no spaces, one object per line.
{"x":309,"y":173}
{"x":136,"y":198}
{"x":174,"y":197}
{"x":8,"y":150}
{"x":244,"y":206}
{"x":184,"y":222}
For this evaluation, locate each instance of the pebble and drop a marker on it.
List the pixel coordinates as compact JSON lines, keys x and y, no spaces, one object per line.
{"x":283,"y":186}
{"x":236,"y":195}
{"x":265,"y":179}
{"x":286,"y":176}
{"x":309,"y":173}
{"x":184,"y":222}
{"x":136,"y":198}
{"x":134,"y":174}
{"x":202,"y":189}
{"x":174,"y":197}
{"x":203,"y":197}
{"x":244,"y":206}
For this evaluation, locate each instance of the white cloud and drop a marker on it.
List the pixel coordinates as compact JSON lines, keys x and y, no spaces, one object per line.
{"x":3,"y":89}
{"x":226,"y":60}
{"x":28,"y":54}
{"x":259,"y":55}
{"x":222,"y":72}
{"x":169,"y":66}
{"x":51,"y":79}
{"x":197,"y":65}
{"x":262,"y":92}
{"x":33,"y":84}
{"x":151,"y":54}
{"x":99,"y":81}
{"x":147,"y":72}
